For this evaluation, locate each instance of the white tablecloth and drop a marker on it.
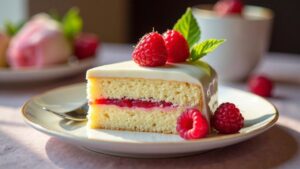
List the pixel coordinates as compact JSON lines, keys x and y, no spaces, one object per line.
{"x":23,"y":147}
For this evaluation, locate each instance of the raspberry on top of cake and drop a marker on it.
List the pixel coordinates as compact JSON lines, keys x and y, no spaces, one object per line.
{"x":165,"y":89}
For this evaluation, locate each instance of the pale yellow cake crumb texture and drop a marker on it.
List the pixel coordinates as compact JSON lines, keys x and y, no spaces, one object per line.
{"x":179,"y":93}
{"x":117,"y":118}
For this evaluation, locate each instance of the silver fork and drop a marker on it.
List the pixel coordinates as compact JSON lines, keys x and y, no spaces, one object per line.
{"x":78,"y":114}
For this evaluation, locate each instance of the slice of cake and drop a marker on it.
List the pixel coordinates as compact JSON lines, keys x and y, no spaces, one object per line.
{"x":165,"y":89}
{"x":126,"y":96}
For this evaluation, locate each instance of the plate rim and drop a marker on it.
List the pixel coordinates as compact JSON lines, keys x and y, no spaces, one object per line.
{"x":202,"y":140}
{"x":49,"y":73}
{"x":53,"y":67}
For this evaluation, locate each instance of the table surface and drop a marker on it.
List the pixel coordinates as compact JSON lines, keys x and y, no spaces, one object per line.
{"x":24,"y":147}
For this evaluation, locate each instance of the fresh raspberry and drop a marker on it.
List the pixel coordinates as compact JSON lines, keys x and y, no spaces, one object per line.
{"x":85,"y":45}
{"x":226,"y":7}
{"x":192,"y":125}
{"x":150,"y":51}
{"x":227,"y":119}
{"x":177,"y":46}
{"x":260,"y":85}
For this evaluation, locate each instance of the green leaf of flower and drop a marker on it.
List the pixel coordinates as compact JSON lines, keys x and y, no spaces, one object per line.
{"x":12,"y":29}
{"x":55,"y":15}
{"x":203,"y":48}
{"x":72,"y":23}
{"x":188,"y":27}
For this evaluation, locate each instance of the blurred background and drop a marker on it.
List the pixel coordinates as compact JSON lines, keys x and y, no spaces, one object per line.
{"x":125,"y":21}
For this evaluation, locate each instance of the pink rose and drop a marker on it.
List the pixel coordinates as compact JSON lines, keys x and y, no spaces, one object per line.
{"x":40,"y":43}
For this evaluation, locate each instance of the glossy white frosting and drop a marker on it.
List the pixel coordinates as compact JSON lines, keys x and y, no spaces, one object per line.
{"x":177,"y":72}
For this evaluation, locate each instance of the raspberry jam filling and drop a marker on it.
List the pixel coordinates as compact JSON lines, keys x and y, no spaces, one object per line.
{"x":139,"y":103}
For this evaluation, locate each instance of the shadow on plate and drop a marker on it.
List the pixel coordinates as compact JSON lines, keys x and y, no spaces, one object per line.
{"x":268,"y":150}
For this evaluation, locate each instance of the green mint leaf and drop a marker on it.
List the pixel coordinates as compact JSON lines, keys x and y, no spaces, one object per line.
{"x":72,"y":23}
{"x":203,"y":48}
{"x":188,"y":27}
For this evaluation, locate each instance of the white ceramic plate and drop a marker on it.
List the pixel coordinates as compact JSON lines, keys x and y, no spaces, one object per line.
{"x":33,"y":75}
{"x":259,"y":116}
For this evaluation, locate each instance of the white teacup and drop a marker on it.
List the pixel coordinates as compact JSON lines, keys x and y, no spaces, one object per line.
{"x":247,"y":39}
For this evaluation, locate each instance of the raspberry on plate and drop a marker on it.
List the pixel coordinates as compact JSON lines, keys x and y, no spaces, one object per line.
{"x":227,"y":7}
{"x":192,"y":125}
{"x":85,"y":45}
{"x":227,"y":119}
{"x":150,"y":51}
{"x":177,"y":46}
{"x":260,"y":85}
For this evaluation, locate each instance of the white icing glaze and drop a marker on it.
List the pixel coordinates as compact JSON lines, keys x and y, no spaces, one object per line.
{"x":178,"y":72}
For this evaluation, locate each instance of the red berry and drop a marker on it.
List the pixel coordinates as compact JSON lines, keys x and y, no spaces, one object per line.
{"x":226,"y":7}
{"x":260,"y":85}
{"x":192,"y":125}
{"x":177,"y":46}
{"x":150,"y":51}
{"x":86,"y":45}
{"x":227,"y":119}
